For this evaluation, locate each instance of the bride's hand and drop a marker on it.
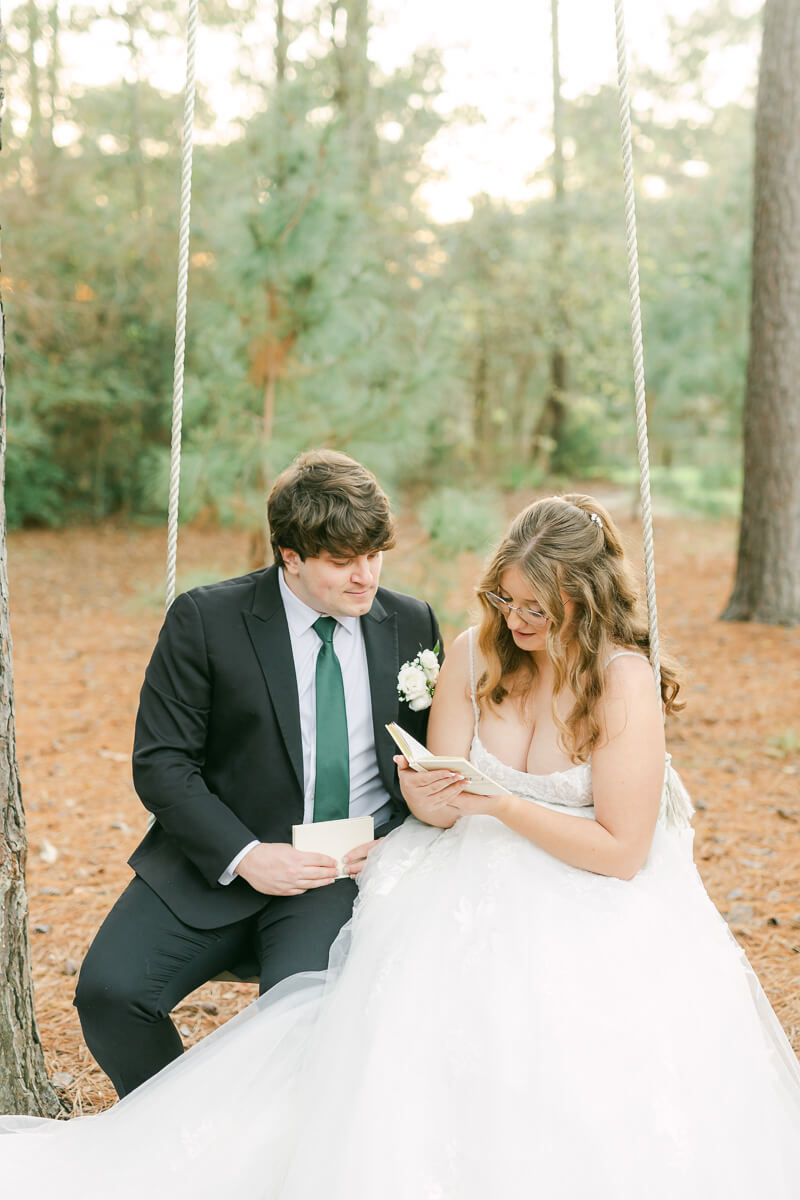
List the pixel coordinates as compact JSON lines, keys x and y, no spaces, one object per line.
{"x":469,"y":804}
{"x":356,"y":859}
{"x":430,"y":794}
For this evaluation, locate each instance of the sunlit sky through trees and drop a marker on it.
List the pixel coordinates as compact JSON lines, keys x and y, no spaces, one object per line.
{"x":496,"y":59}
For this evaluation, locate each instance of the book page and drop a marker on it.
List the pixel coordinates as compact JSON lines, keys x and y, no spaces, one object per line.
{"x":406,"y":744}
{"x":479,"y":783}
{"x":441,"y":762}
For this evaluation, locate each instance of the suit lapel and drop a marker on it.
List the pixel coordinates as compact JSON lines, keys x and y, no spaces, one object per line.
{"x":383,"y":663}
{"x":269,"y":633}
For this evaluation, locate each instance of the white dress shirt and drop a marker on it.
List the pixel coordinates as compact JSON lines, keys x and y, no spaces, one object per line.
{"x":367,"y":792}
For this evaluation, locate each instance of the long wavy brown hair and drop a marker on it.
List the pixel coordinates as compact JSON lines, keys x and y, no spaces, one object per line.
{"x":561,"y":550}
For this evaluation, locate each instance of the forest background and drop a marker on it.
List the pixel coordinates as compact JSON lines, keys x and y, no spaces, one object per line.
{"x":464,"y":358}
{"x":472,"y":359}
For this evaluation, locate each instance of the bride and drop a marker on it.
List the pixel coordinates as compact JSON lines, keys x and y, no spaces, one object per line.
{"x":535,"y":996}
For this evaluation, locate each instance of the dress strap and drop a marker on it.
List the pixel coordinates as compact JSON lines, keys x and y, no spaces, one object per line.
{"x":619,"y":654}
{"x":475,"y":709}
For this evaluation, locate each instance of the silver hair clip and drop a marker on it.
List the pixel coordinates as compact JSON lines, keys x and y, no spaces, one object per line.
{"x":597,"y":520}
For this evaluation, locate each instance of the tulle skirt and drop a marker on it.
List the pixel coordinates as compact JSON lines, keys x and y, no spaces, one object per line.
{"x":493,"y":1024}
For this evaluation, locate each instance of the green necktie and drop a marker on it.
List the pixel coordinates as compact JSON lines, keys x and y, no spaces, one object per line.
{"x":332,"y":783}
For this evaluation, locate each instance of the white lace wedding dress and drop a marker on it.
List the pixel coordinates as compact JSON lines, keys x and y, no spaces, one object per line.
{"x":494,"y":1025}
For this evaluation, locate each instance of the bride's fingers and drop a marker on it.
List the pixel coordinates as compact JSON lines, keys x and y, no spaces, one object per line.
{"x":427,"y":789}
{"x":449,"y":794}
{"x":442,"y":781}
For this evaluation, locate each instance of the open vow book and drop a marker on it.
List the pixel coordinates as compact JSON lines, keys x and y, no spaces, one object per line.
{"x":420,"y":759}
{"x":334,"y":838}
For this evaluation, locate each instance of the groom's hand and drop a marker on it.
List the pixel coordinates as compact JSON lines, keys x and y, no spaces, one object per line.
{"x":277,"y":869}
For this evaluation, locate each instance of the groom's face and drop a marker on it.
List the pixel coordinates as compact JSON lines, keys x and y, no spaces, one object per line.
{"x":337,"y":585}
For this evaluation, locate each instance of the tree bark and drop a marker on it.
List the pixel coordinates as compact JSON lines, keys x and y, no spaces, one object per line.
{"x":549,"y":433}
{"x":281,"y":42}
{"x":767,"y":586}
{"x":54,"y":66}
{"x":34,"y":81}
{"x":481,"y":408}
{"x":353,"y":93}
{"x":24,"y":1086}
{"x":134,"y":20}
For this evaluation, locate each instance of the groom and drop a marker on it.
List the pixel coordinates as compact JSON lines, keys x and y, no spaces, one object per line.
{"x":263,"y":706}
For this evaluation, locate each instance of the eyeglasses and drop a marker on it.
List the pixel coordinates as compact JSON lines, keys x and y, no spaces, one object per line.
{"x":531,"y":616}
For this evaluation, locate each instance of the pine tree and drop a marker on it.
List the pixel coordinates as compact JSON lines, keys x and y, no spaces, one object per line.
{"x":767,"y":584}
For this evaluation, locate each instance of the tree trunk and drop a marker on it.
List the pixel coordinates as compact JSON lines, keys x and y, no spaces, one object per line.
{"x":522,"y":428}
{"x":24,"y":1086}
{"x":281,"y":42}
{"x":34,"y":81}
{"x":549,"y":433}
{"x":483,"y":439}
{"x":133,"y":18}
{"x":767,"y":586}
{"x":54,"y":67}
{"x":354,"y":91}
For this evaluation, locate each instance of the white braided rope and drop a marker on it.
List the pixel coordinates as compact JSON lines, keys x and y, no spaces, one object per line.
{"x":636,"y":336}
{"x":183,"y":288}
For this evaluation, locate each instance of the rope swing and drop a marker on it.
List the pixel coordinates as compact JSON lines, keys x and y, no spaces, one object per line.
{"x":183,"y":291}
{"x":635,"y":306}
{"x":636,"y":337}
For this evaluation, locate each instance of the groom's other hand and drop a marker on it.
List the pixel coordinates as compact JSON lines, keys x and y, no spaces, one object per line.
{"x":276,"y":869}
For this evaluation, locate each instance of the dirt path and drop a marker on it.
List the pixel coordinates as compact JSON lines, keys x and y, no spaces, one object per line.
{"x":85,"y":613}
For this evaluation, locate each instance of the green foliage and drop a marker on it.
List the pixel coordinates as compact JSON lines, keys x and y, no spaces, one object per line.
{"x":458,"y":520}
{"x":327,"y":308}
{"x":150,"y":594}
{"x":696,"y":491}
{"x":35,"y":483}
{"x":785,"y":744}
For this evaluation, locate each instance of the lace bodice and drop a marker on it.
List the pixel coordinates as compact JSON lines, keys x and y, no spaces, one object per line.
{"x":571,"y":788}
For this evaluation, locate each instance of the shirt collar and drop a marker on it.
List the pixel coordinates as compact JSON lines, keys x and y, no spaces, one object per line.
{"x":300,"y":616}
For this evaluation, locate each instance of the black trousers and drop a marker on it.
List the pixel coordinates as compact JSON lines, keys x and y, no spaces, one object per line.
{"x":144,"y":960}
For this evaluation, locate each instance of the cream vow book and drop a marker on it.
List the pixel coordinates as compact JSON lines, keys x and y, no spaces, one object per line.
{"x":421,"y":759}
{"x":334,"y":838}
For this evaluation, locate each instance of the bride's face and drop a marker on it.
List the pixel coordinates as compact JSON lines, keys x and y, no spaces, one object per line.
{"x":526,"y":620}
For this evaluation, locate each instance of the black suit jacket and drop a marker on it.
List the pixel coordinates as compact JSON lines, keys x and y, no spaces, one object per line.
{"x":217,"y":754}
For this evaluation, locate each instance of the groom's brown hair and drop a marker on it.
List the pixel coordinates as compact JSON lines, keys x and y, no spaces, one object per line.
{"x":326,"y":501}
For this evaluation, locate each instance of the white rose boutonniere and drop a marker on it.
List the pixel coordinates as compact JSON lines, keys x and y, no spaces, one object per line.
{"x":416,"y":679}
